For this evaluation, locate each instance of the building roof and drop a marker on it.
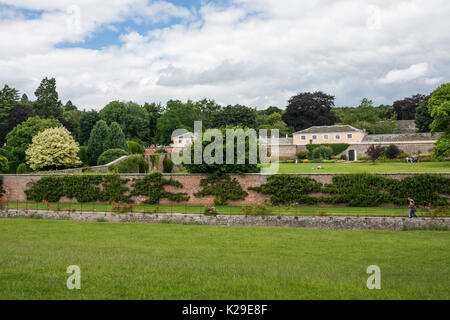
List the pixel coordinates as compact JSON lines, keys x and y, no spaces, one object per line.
{"x":400,"y":137}
{"x":187,"y":134}
{"x":330,"y":129}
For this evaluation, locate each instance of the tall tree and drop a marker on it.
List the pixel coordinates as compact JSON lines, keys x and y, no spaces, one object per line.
{"x":18,"y":140}
{"x":52,"y":149}
{"x":47,"y":104}
{"x":274,"y":121}
{"x":423,"y":118}
{"x":9,"y":97}
{"x":236,"y":115}
{"x":87,"y":122}
{"x":206,"y":109}
{"x":98,"y":141}
{"x":178,"y":115}
{"x":154,"y":112}
{"x":310,"y":109}
{"x":116,"y":139}
{"x":439,"y":107}
{"x":18,"y":114}
{"x":406,"y":108}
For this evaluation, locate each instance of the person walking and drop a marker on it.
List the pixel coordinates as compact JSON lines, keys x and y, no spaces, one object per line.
{"x":412,"y":208}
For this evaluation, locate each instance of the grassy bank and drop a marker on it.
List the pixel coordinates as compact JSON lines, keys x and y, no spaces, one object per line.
{"x":299,"y":210}
{"x":134,"y":261}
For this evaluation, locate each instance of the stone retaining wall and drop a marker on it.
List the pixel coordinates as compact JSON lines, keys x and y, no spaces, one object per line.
{"x":311,"y":222}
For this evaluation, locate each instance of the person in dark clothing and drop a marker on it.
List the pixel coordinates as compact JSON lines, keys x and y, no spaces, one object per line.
{"x":412,"y":208}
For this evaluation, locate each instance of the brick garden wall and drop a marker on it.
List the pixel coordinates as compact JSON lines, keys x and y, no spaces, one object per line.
{"x":15,"y":185}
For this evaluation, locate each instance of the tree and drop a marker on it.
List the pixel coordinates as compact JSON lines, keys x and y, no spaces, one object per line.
{"x":17,"y":115}
{"x":423,"y":118}
{"x":322,"y":152}
{"x":110,"y":155}
{"x":3,"y":164}
{"x":216,"y":167}
{"x":310,"y":109}
{"x":154,"y":112}
{"x":439,"y":108}
{"x":406,"y":108}
{"x":47,"y":104}
{"x":133,"y":118}
{"x":274,"y":121}
{"x":116,"y":139}
{"x":98,"y":141}
{"x":375,"y":152}
{"x":392,"y":151}
{"x":178,"y":115}
{"x":25,"y":101}
{"x":87,"y":122}
{"x":18,"y":140}
{"x":70,"y":106}
{"x":236,"y":115}
{"x":206,"y":110}
{"x":9,"y":97}
{"x":53,"y":148}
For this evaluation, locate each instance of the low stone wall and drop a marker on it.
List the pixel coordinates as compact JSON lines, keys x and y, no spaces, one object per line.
{"x":310,"y":222}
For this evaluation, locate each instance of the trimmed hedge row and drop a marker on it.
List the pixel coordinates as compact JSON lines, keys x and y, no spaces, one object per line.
{"x":336,"y":147}
{"x":358,"y":190}
{"x":1,"y":186}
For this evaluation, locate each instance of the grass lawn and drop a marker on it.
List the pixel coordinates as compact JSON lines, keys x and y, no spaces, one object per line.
{"x":360,"y":167}
{"x":140,"y":261}
{"x":299,"y":210}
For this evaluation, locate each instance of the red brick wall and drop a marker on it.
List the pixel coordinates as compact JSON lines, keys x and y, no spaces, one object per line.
{"x":14,"y":185}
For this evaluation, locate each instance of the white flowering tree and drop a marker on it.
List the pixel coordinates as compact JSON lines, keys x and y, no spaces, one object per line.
{"x":51,"y":149}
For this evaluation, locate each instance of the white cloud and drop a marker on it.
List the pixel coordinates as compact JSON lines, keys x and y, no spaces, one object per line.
{"x":256,"y":52}
{"x":402,"y":75}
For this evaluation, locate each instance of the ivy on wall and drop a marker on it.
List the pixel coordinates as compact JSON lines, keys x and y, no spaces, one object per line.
{"x":289,"y":189}
{"x":222,"y":187}
{"x":152,"y":186}
{"x":358,"y":190}
{"x":83,"y":188}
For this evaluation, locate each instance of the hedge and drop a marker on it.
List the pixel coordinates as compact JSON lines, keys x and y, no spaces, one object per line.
{"x":110,"y":155}
{"x":1,"y":186}
{"x":336,"y":147}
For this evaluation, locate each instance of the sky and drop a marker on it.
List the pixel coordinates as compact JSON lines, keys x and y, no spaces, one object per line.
{"x":253,"y":52}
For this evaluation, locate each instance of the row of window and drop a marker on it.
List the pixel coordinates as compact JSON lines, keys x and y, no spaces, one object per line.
{"x":326,"y":137}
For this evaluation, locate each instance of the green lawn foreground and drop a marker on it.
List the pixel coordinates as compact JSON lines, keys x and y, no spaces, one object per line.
{"x":192,"y":209}
{"x":366,"y":167}
{"x":140,"y":261}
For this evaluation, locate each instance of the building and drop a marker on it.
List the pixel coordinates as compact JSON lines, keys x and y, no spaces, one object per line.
{"x":182,"y":140}
{"x":329,"y":134}
{"x":409,"y":141}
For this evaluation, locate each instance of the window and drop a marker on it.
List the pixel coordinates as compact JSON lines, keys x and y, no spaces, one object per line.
{"x":349,"y":136}
{"x":325,"y":137}
{"x":337,"y":137}
{"x":303,"y":137}
{"x":180,"y":141}
{"x":314,"y":137}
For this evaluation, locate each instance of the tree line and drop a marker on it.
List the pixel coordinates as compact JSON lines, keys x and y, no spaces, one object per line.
{"x":153,"y":123}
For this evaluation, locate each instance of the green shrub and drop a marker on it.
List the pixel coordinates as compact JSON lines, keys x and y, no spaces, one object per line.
{"x":289,"y":189}
{"x":303,"y":155}
{"x":83,"y":188}
{"x":222,"y":188}
{"x":258,"y":210}
{"x":322,"y":152}
{"x":336,"y":147}
{"x":392,"y":151}
{"x":21,"y":169}
{"x":110,"y":155}
{"x":135,"y":148}
{"x":167,"y":165}
{"x":82,"y":154}
{"x":46,"y":188}
{"x":210,"y":211}
{"x":152,"y":186}
{"x":133,"y":164}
